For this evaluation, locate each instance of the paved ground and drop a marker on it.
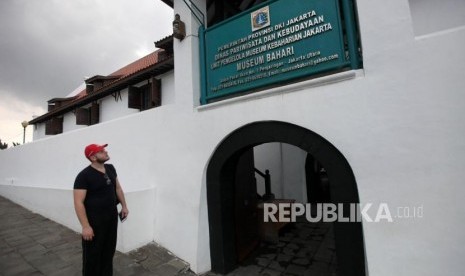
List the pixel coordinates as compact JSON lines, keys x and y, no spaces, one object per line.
{"x":303,"y":249}
{"x":33,"y":245}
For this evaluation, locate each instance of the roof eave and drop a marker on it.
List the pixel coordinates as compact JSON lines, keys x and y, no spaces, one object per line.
{"x":161,"y":67}
{"x":168,"y":2}
{"x":61,"y":99}
{"x":99,"y":77}
{"x":165,"y":44}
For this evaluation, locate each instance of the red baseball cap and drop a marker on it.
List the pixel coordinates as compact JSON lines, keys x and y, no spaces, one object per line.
{"x":93,"y":149}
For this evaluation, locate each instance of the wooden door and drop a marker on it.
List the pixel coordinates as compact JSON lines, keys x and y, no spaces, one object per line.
{"x":247,"y":236}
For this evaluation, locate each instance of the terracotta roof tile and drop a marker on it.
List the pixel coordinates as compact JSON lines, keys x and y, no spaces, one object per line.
{"x":137,"y":65}
{"x":81,"y":94}
{"x":128,"y":70}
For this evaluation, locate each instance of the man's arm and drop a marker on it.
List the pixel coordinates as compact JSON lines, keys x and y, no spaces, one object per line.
{"x":122,"y":200}
{"x":79,"y":197}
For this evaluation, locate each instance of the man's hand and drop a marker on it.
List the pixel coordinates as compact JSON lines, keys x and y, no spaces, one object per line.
{"x":124,"y":212}
{"x":120,"y":194}
{"x":87,"y":233}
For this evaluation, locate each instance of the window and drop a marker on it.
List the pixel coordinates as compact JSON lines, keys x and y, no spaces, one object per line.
{"x":54,"y":126}
{"x":145,"y":97}
{"x":88,"y":116}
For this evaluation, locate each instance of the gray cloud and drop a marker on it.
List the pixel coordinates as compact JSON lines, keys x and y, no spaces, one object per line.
{"x":48,"y":46}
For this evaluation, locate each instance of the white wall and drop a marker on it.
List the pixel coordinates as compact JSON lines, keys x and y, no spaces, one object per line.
{"x":294,"y":181}
{"x":57,"y":205}
{"x":167,"y":88}
{"x":111,"y":108}
{"x":429,"y":16}
{"x":269,"y":157}
{"x":398,"y":122}
{"x":286,"y":164}
{"x":69,"y":122}
{"x":38,"y":132}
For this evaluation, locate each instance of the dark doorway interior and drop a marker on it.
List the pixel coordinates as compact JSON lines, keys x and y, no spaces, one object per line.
{"x":231,"y":240}
{"x":318,"y":188}
{"x":245,"y":202}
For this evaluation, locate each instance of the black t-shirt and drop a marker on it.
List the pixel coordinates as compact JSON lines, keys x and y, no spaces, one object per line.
{"x":101,"y":189}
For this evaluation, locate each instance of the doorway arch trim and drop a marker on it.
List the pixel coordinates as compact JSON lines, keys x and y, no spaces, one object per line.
{"x":220,"y":191}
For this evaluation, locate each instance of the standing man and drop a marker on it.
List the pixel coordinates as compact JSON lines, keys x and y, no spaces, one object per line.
{"x":97,"y":191}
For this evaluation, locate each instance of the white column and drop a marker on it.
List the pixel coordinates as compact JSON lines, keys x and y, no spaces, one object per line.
{"x":186,"y":55}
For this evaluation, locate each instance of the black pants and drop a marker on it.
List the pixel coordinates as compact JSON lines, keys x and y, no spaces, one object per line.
{"x":97,"y":254}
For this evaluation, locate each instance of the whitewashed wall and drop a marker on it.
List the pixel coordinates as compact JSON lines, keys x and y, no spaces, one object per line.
{"x":286,"y":164}
{"x":430,"y":16}
{"x":398,"y":122}
{"x":167,"y":88}
{"x":69,"y":122}
{"x":111,"y":109}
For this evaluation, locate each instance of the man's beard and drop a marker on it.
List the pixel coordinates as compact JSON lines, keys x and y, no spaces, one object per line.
{"x":102,"y":160}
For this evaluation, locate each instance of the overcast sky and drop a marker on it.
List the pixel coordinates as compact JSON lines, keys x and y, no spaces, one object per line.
{"x":47,"y":47}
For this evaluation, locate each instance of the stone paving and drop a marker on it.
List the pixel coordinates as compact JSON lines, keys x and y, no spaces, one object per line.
{"x":33,"y":245}
{"x":303,"y":249}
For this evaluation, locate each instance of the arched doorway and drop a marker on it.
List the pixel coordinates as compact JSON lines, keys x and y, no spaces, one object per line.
{"x":221,"y":175}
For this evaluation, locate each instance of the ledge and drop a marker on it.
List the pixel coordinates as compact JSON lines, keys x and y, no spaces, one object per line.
{"x":343,"y":76}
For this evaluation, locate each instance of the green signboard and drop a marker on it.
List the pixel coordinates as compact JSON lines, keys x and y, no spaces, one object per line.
{"x":272,"y":43}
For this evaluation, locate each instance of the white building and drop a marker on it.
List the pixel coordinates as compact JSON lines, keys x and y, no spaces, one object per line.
{"x":383,"y":117}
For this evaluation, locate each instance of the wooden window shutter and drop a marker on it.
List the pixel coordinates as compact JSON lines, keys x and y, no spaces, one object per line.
{"x":82,"y":116}
{"x":58,"y":125}
{"x":48,"y":127}
{"x":145,"y":92}
{"x":156,"y":93}
{"x":94,"y":113}
{"x":54,"y":126}
{"x":134,"y":97}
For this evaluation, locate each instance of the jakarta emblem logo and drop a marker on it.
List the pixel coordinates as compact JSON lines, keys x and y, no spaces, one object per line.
{"x":260,"y":18}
